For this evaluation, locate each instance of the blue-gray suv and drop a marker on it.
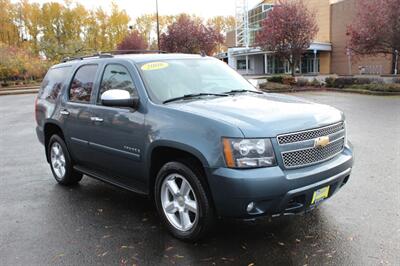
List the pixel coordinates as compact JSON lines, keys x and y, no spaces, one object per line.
{"x":192,"y":134}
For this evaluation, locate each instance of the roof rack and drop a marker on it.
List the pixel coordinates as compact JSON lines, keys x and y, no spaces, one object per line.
{"x":110,"y":54}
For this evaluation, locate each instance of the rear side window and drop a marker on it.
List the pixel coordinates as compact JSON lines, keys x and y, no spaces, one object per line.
{"x":82,"y":84}
{"x":53,"y":82}
{"x":117,"y":77}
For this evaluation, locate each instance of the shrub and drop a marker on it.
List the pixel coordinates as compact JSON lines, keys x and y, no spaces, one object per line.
{"x":302,"y":82}
{"x":273,"y":86}
{"x":330,"y":82}
{"x":315,"y":83}
{"x":19,"y":64}
{"x":343,"y":82}
{"x":393,"y":87}
{"x":276,"y":78}
{"x":289,"y":80}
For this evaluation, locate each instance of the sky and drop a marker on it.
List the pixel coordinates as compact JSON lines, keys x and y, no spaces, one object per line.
{"x":135,"y":8}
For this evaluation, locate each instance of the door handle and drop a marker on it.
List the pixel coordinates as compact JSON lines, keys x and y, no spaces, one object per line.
{"x":64,"y":112}
{"x":96,"y":119}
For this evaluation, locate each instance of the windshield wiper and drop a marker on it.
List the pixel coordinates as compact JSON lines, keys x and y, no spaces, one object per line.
{"x":192,"y":95}
{"x":240,"y":91}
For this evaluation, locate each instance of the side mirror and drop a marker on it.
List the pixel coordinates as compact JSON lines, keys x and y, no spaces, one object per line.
{"x":119,"y":98}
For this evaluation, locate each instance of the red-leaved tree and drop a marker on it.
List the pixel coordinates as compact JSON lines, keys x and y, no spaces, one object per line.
{"x":133,"y":41}
{"x":376,"y":29}
{"x":187,"y":35}
{"x":288,"y":30}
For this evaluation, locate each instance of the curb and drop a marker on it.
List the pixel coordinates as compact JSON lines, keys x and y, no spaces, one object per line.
{"x":18,"y":88}
{"x":16,"y":91}
{"x":365,"y":92}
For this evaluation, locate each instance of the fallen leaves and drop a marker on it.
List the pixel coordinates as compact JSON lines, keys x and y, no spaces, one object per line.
{"x":169,"y":248}
{"x":102,"y":254}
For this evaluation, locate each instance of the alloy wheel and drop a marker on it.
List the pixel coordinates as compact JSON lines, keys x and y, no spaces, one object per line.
{"x":57,"y":159}
{"x":179,"y":202}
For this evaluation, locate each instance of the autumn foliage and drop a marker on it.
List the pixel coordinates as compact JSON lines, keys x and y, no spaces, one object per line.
{"x":19,"y":64}
{"x":187,"y":35}
{"x":288,"y":30}
{"x":133,"y":41}
{"x":376,"y":28}
{"x":54,"y":30}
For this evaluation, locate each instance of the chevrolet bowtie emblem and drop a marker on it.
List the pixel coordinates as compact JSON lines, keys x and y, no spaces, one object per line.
{"x":321,"y":142}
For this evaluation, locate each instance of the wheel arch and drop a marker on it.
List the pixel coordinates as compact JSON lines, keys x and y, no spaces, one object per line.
{"x":49,"y":129}
{"x":166,"y":152}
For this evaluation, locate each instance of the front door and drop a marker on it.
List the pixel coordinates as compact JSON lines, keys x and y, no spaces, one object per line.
{"x":118,"y":133}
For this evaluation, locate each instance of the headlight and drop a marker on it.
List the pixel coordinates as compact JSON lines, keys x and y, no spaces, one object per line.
{"x":248,"y":153}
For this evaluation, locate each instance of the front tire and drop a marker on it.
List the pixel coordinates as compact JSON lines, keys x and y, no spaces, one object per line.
{"x":182,"y":202}
{"x":60,"y":162}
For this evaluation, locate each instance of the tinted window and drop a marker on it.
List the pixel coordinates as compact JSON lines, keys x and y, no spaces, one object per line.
{"x":117,"y":77}
{"x":53,"y":82}
{"x":82,"y":84}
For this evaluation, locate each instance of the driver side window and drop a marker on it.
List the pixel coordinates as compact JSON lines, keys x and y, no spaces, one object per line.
{"x":117,"y":77}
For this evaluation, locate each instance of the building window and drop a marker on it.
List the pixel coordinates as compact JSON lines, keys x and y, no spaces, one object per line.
{"x":241,"y":64}
{"x":266,"y":7}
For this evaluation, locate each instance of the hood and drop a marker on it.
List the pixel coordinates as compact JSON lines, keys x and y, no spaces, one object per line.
{"x":263,"y":115}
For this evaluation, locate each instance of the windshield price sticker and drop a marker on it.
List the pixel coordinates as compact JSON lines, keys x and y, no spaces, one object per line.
{"x":154,"y":66}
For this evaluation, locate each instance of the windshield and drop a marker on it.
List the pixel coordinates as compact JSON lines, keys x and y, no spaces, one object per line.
{"x":169,"y":79}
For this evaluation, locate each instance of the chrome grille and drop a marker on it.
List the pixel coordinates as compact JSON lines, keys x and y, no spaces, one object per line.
{"x":312,"y":155}
{"x":310,"y":134}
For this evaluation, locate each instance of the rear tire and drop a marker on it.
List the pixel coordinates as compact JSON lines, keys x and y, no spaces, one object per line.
{"x":182,"y":202}
{"x":60,"y":162}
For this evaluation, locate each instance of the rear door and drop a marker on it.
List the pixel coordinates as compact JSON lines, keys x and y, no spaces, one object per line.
{"x":76,"y":112}
{"x":118,"y":134}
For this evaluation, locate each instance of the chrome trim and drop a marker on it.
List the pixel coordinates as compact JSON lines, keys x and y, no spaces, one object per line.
{"x":64,"y":112}
{"x":96,"y":119}
{"x":309,"y":130}
{"x":316,"y":162}
{"x":115,"y":94}
{"x":302,"y":141}
{"x":309,"y":148}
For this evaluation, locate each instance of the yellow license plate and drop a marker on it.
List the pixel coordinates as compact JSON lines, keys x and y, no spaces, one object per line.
{"x":320,"y":194}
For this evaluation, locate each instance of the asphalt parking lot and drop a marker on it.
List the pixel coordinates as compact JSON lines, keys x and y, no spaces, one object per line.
{"x":42,"y":223}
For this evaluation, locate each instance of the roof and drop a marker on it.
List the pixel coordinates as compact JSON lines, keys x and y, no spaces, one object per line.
{"x":136,"y":58}
{"x":139,"y":58}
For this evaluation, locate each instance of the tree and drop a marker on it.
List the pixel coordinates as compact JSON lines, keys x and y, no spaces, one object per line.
{"x":9,"y":32}
{"x":118,"y":25}
{"x":133,"y":41}
{"x":188,"y":35}
{"x":31,"y":14}
{"x":222,"y":25}
{"x":376,"y":29}
{"x":288,"y":30}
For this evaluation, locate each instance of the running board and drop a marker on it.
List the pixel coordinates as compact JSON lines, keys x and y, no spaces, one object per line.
{"x":107,"y":180}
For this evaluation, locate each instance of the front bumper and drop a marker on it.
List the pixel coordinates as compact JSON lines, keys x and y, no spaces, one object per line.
{"x":274,"y":190}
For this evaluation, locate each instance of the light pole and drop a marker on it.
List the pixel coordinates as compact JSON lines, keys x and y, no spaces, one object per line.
{"x":396,"y":61}
{"x":158,"y":27}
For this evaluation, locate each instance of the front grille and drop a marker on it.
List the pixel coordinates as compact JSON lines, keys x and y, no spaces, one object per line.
{"x":312,"y":155}
{"x":310,"y":134}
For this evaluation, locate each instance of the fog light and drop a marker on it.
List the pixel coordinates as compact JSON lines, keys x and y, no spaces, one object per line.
{"x":250,"y":207}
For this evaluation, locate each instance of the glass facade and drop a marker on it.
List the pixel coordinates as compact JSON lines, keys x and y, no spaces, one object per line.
{"x":256,"y":16}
